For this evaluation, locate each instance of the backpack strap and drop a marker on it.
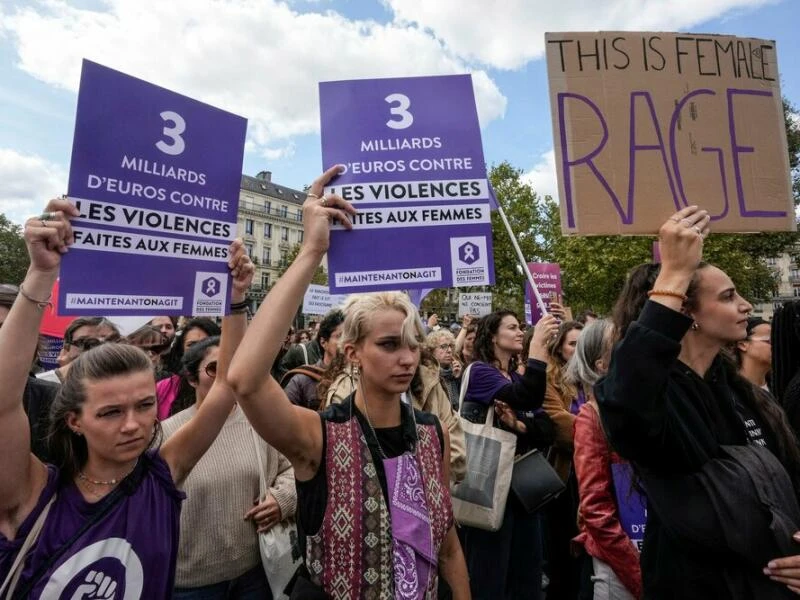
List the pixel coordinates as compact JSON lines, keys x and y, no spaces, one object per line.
{"x":312,"y":371}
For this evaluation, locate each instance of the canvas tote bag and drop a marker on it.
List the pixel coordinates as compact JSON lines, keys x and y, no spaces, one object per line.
{"x":480,"y":499}
{"x":280,"y":548}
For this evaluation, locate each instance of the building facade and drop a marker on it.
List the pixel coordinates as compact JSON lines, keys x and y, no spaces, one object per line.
{"x":270,"y":222}
{"x":788,"y":275}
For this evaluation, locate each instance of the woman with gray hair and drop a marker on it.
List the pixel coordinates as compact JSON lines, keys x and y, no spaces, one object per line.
{"x":607,"y":501}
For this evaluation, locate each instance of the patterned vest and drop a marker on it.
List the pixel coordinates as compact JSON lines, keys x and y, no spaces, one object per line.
{"x":351,"y":555}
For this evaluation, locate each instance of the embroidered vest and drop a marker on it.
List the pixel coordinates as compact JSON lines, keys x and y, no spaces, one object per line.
{"x":351,"y":555}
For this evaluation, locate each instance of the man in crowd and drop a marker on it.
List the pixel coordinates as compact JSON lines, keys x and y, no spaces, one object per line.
{"x":82,"y":334}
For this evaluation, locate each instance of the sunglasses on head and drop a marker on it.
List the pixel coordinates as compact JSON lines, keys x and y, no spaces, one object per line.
{"x":211,"y":369}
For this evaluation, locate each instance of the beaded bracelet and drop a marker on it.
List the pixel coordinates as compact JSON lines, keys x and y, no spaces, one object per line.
{"x":42,"y":304}
{"x":670,"y":293}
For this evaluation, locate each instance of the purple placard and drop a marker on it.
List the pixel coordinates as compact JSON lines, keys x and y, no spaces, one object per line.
{"x":156,"y":176}
{"x":631,"y":504}
{"x":548,"y":281}
{"x":49,"y":348}
{"x":415,"y":170}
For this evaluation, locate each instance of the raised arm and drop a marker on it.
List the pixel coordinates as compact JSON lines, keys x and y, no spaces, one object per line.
{"x":47,"y":238}
{"x":294,"y":431}
{"x":486,"y":384}
{"x":633,"y":397}
{"x":182,"y":450}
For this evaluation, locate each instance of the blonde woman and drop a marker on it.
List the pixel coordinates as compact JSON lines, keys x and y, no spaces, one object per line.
{"x":372,"y":473}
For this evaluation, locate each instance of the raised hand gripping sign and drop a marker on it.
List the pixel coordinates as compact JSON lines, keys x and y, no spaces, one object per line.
{"x":647,"y":123}
{"x":414,"y":169}
{"x":156,"y":177}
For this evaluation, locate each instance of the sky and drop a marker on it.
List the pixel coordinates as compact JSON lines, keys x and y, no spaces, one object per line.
{"x":263,"y":59}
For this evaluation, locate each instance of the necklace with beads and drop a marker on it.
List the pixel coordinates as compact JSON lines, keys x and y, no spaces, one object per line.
{"x":84,"y":477}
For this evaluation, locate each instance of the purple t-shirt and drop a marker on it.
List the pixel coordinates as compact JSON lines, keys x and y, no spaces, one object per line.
{"x":133,"y":548}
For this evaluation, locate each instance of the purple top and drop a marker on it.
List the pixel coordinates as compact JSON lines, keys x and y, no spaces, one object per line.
{"x":133,"y":548}
{"x":522,"y":392}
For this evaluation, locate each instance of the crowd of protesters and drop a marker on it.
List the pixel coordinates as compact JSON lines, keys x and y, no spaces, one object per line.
{"x":155,"y":464}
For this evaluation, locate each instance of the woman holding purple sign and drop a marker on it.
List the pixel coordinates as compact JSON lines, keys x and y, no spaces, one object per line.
{"x":719,"y":464}
{"x":103,"y":521}
{"x":372,"y":473}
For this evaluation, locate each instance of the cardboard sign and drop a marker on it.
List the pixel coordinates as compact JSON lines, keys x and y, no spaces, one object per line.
{"x":415,"y":171}
{"x":478,"y":304}
{"x":548,"y":281}
{"x":156,"y":177}
{"x":318,"y":300}
{"x":645,"y":124}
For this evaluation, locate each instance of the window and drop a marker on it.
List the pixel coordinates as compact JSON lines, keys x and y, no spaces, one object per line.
{"x":285,"y":234}
{"x":266,"y":254}
{"x":796,"y":292}
{"x":249,"y":226}
{"x":284,"y":211}
{"x":249,"y":249}
{"x":795,"y":273}
{"x":265,"y":280}
{"x":267,"y":230}
{"x":772,"y":261}
{"x":267,"y":206}
{"x":300,"y":237}
{"x":299,"y":214}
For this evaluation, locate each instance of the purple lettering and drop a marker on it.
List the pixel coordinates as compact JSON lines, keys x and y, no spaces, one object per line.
{"x":736,"y":150}
{"x":567,"y":164}
{"x":634,"y":147}
{"x":721,"y":160}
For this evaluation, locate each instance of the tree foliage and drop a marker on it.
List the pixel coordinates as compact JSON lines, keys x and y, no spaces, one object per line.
{"x":13,"y":254}
{"x":320,"y":276}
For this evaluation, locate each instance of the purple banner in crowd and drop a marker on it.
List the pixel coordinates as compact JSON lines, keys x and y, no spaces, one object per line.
{"x":49,"y":349}
{"x":415,"y":171}
{"x":548,"y":281}
{"x":156,"y":176}
{"x":631,"y":504}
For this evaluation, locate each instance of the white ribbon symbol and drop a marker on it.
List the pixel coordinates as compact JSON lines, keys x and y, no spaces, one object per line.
{"x":469,"y":250}
{"x":211,"y":287}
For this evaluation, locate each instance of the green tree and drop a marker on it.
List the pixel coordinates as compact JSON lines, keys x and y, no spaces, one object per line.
{"x":13,"y":254}
{"x":320,"y":276}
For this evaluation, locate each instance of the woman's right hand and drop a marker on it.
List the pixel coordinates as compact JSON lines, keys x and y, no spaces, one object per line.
{"x":681,"y":240}
{"x":320,"y":209}
{"x":47,"y":239}
{"x":544,"y":329}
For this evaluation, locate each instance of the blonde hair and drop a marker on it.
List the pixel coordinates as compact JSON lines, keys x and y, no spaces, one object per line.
{"x":359,"y":308}
{"x":435,"y":338}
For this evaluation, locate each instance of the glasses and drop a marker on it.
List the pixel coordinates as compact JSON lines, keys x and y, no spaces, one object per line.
{"x":211,"y":369}
{"x":86,"y":343}
{"x":446,"y":347}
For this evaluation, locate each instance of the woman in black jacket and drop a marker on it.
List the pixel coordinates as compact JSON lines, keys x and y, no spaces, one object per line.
{"x":700,"y":439}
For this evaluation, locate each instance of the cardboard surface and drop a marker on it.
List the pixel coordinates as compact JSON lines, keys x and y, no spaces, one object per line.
{"x":647,"y":123}
{"x":475,"y":303}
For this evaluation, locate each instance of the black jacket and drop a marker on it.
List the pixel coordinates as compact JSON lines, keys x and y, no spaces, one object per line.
{"x":670,"y":423}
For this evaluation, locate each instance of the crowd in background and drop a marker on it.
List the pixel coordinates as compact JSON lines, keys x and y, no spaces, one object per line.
{"x":190,"y":440}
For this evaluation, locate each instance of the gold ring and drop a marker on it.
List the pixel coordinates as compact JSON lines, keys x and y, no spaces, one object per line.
{"x":324,"y":201}
{"x":676,"y":219}
{"x":312,"y":196}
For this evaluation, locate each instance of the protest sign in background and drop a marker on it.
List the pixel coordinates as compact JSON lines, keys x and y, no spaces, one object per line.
{"x":476,"y":303}
{"x":647,"y":123}
{"x":414,"y":169}
{"x":318,"y":300}
{"x":156,"y":177}
{"x":548,"y":281}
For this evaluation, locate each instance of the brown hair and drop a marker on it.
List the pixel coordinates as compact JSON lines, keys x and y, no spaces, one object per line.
{"x":556,"y":366}
{"x":68,"y":450}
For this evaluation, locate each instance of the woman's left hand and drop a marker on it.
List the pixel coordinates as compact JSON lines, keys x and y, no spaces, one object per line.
{"x":265,"y":514}
{"x":242,"y":270}
{"x":508,"y":416}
